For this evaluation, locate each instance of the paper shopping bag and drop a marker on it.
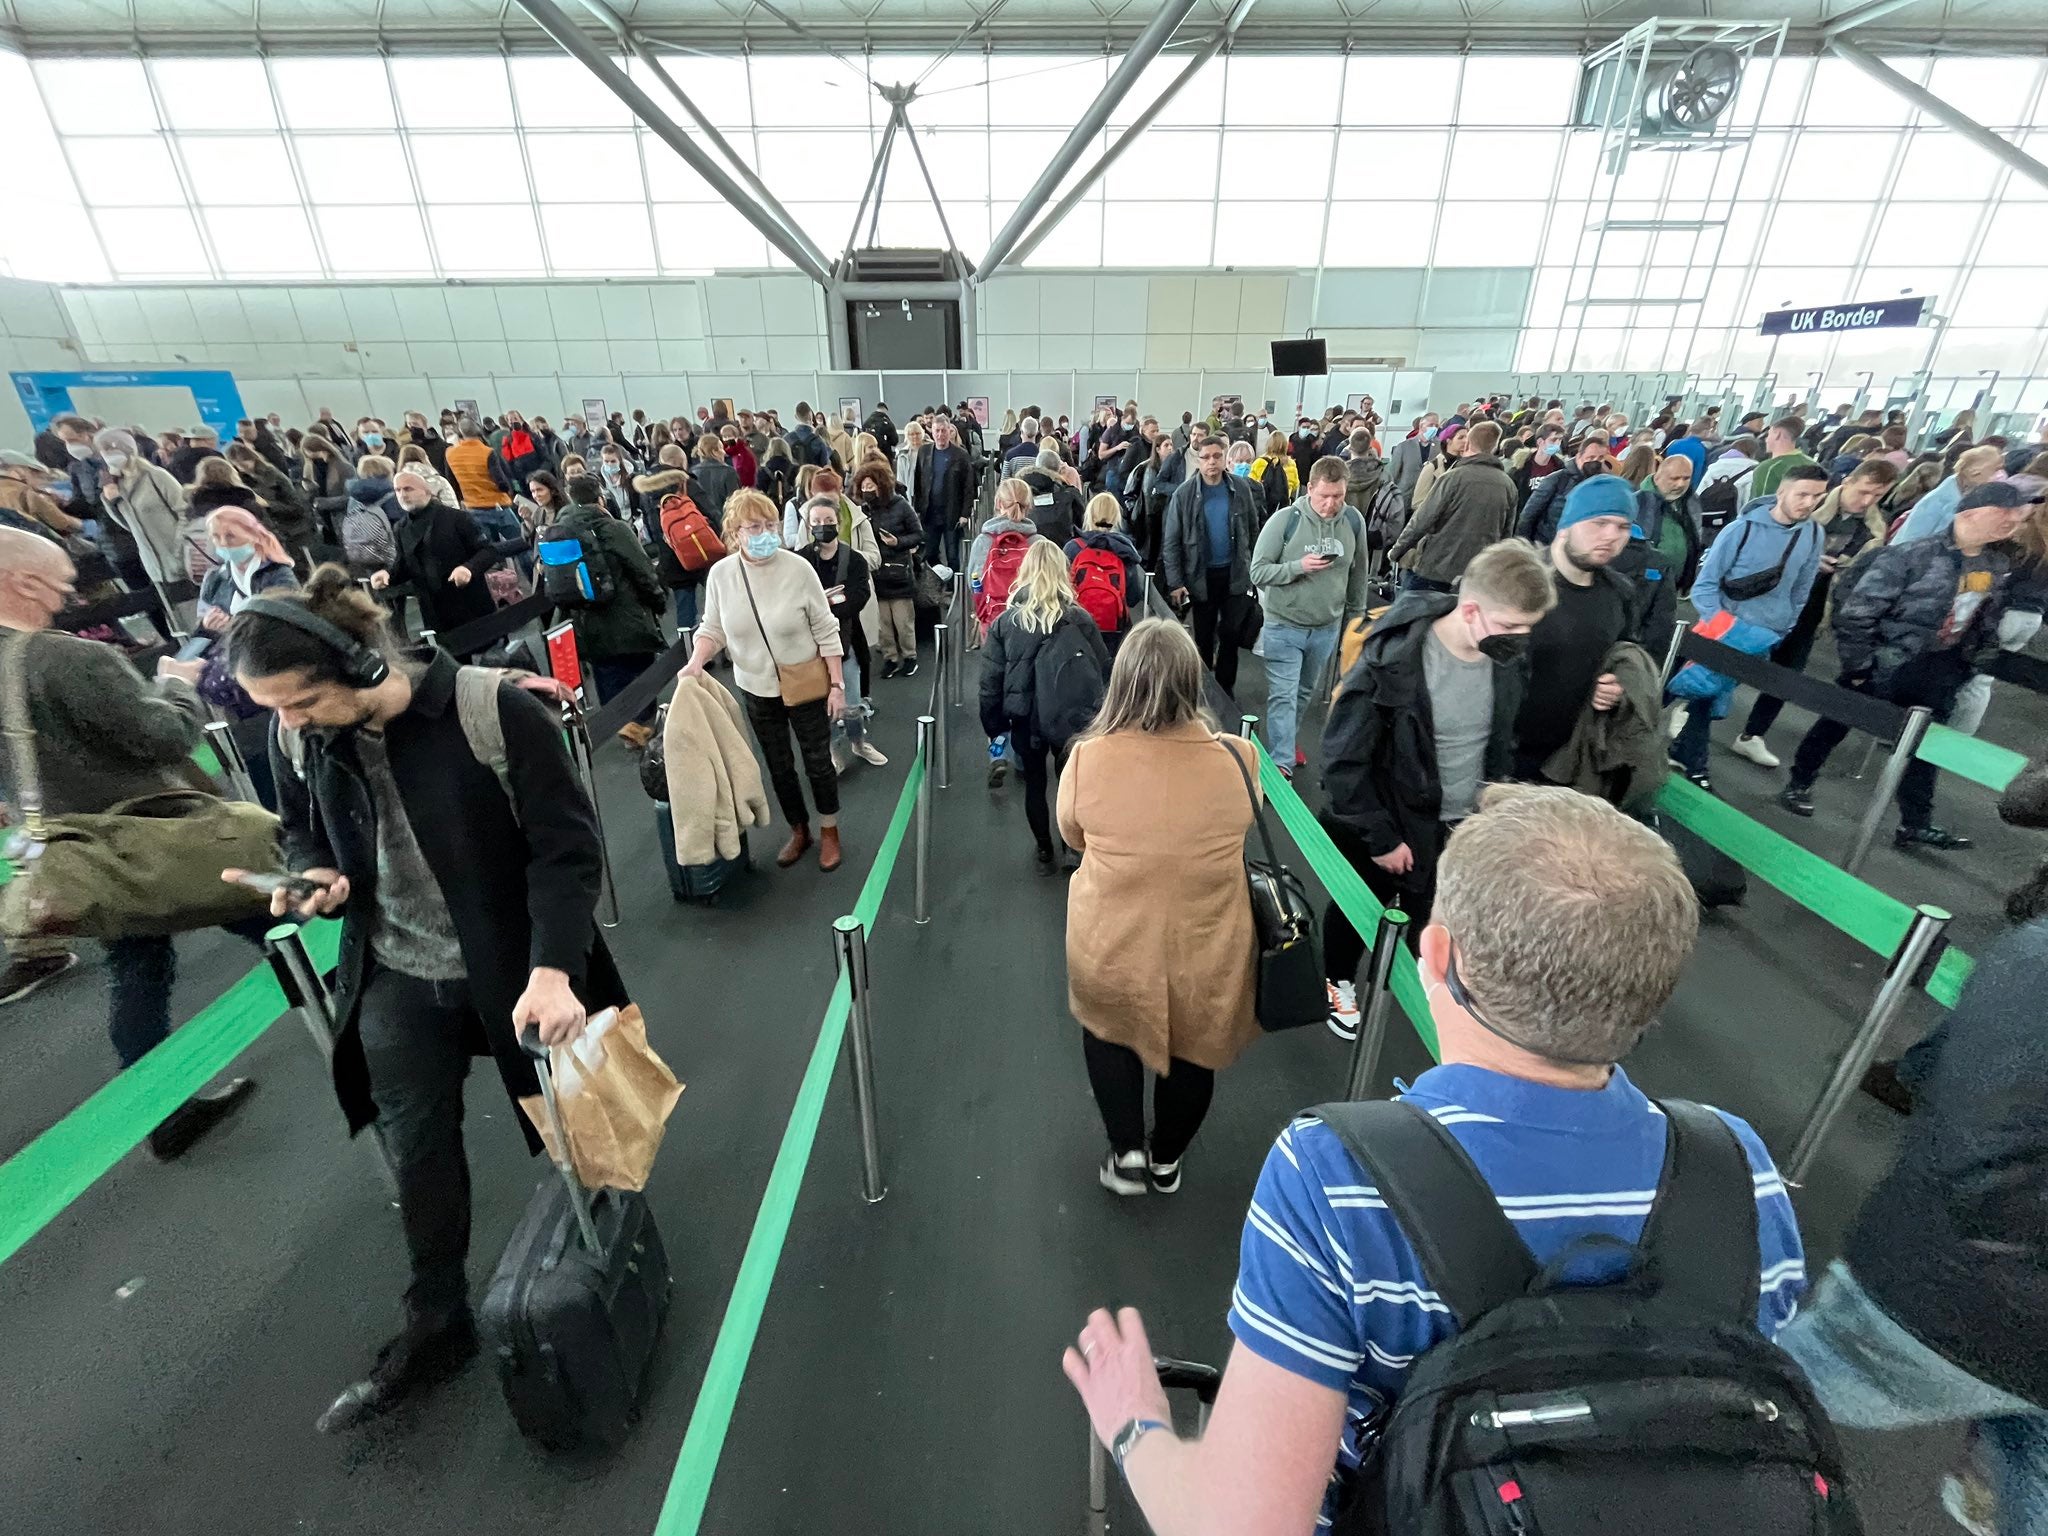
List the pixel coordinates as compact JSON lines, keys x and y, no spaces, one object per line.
{"x":615,"y":1096}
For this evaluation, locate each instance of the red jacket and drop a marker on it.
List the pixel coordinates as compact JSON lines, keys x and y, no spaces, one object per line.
{"x":741,"y":457}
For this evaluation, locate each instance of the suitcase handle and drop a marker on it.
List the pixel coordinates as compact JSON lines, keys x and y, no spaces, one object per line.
{"x":1187,"y":1376}
{"x":579,"y":1197}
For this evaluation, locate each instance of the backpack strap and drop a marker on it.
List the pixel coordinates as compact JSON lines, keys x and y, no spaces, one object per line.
{"x":1699,"y":1246}
{"x":476,"y":708}
{"x":1470,"y":1252}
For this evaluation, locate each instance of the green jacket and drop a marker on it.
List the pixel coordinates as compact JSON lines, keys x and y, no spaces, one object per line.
{"x":1764,"y":482}
{"x":631,"y":622}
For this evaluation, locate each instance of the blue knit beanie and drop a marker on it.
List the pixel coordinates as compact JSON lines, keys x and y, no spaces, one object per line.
{"x":1601,"y":496}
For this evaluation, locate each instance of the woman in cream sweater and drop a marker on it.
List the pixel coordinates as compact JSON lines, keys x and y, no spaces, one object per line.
{"x":766,"y":607}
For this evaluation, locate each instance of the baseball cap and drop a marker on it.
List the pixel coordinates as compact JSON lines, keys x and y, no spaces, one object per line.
{"x":2016,"y":492}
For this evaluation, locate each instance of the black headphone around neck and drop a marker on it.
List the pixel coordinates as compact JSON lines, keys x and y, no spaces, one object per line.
{"x":362,"y":666}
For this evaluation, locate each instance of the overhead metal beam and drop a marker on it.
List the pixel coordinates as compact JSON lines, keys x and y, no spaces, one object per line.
{"x":551,"y":19}
{"x":1992,"y":144}
{"x":1139,"y":124}
{"x":1862,"y":16}
{"x":1118,"y":86}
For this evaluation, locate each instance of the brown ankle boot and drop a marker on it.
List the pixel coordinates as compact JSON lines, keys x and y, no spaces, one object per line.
{"x":828,"y":849}
{"x":799,"y":840}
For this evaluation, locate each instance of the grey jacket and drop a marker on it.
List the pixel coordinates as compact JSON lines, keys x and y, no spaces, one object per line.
{"x":1473,"y":506}
{"x":1184,"y":542}
{"x":1311,"y":599}
{"x":1405,"y":465}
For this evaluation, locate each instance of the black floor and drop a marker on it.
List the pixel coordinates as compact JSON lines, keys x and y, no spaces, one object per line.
{"x":906,"y":1375}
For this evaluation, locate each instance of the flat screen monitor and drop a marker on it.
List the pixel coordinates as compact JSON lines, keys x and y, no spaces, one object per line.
{"x":1297,"y":358}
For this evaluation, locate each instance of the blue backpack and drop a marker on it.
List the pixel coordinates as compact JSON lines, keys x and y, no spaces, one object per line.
{"x":573,"y":573}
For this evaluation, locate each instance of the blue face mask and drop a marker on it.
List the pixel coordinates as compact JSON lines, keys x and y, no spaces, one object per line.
{"x":373,"y":439}
{"x":762,"y":545}
{"x":236,"y":554}
{"x":1241,"y":469}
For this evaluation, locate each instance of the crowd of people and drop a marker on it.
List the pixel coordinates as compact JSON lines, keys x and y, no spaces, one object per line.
{"x":1462,"y":627}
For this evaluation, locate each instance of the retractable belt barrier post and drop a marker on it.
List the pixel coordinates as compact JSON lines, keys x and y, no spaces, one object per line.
{"x":850,"y":940}
{"x":1909,"y":968}
{"x":577,"y":728}
{"x":1671,"y":651}
{"x":921,"y":910}
{"x":1911,"y":734}
{"x":1372,"y":1024}
{"x":936,"y":704}
{"x":305,"y":993}
{"x":228,"y":753}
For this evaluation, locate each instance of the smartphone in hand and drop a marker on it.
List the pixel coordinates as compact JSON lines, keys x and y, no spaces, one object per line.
{"x":297,"y":887}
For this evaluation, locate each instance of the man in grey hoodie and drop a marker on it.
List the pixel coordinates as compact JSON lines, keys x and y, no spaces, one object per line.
{"x":1310,"y":569}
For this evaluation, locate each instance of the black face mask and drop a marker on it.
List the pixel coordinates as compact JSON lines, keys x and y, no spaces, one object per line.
{"x":824,"y":533}
{"x":1504,"y":647}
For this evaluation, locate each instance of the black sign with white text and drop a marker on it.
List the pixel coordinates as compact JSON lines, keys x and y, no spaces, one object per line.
{"x":1829,"y":318}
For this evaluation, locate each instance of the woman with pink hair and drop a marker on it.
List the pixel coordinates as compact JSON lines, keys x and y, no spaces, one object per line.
{"x":252,"y":560}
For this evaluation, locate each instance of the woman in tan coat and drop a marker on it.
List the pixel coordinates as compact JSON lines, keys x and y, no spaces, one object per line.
{"x":1160,"y":945}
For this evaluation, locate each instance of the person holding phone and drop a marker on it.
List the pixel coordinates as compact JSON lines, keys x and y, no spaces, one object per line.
{"x":848,"y":583}
{"x":467,"y":894}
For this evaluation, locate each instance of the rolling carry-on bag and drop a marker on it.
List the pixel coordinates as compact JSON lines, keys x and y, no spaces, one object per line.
{"x":697,"y":882}
{"x":577,"y":1302}
{"x":1716,"y":879}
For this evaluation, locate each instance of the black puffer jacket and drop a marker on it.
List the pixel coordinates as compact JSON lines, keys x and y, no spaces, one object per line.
{"x":896,"y":575}
{"x":1009,"y":691}
{"x":1899,"y":595}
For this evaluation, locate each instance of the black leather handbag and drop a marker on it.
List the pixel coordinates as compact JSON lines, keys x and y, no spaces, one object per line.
{"x":1291,"y":988}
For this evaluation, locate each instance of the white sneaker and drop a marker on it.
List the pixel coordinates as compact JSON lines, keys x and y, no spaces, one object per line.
{"x":1753,"y":748}
{"x":869,"y":753}
{"x":1970,"y":1503}
{"x":1675,"y":721}
{"x":1165,"y":1176}
{"x":1343,"y":1009}
{"x":1128,"y":1173}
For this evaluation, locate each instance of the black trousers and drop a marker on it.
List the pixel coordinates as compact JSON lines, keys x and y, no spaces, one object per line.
{"x":774,"y":723}
{"x":1932,"y":678}
{"x":615,"y":674}
{"x":418,"y":1037}
{"x":1344,"y":949}
{"x":1035,"y":761}
{"x":1180,"y":1100}
{"x":1792,"y":651}
{"x":1216,"y":629}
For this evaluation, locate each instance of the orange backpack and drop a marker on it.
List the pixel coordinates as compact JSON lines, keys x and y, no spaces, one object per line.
{"x":689,"y":533}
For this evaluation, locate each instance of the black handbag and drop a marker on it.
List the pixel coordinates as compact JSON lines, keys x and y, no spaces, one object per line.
{"x":1291,"y":987}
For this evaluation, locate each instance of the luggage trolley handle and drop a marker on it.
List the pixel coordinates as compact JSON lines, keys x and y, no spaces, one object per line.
{"x":579,"y":1197}
{"x":1175,"y":1376}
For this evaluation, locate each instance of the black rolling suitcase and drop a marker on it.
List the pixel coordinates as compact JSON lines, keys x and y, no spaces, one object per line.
{"x":573,"y":1311}
{"x":704,"y":883}
{"x":1716,"y":879}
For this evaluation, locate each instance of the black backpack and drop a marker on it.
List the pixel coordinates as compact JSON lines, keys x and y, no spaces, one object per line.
{"x":1649,"y":1405}
{"x":1720,"y":501}
{"x":1067,"y":684}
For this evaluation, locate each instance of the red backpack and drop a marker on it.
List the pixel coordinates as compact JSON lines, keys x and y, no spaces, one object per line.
{"x":998,"y":575}
{"x":1099,"y":577}
{"x":689,"y":533}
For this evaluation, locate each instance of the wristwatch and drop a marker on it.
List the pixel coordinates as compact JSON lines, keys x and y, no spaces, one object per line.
{"x":1128,"y":1437}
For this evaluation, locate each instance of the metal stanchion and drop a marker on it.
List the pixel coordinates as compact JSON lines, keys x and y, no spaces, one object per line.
{"x":1899,"y":979}
{"x":221,"y":738}
{"x":942,"y":743}
{"x":957,"y":616}
{"x":852,"y":944}
{"x":926,"y":729}
{"x":581,"y":752}
{"x":1248,"y":727}
{"x":1671,"y":654}
{"x":305,"y":992}
{"x":1379,"y":1003}
{"x":1918,"y":718}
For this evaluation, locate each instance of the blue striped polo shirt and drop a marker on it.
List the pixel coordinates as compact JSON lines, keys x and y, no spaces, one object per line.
{"x":1330,"y":1289}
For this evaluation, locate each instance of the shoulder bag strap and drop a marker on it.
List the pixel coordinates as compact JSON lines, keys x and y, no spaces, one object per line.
{"x":745,"y":582}
{"x":21,"y":734}
{"x":1258,"y":811}
{"x":1470,"y":1252}
{"x":1700,"y":1246}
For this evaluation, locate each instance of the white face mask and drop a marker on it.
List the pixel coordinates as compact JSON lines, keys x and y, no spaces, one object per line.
{"x":116,"y":461}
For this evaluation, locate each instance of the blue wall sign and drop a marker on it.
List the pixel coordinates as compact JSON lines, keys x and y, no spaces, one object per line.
{"x":1831,"y":319}
{"x":46,"y":395}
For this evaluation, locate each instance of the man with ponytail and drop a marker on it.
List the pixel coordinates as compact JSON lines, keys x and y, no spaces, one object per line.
{"x":439,"y":816}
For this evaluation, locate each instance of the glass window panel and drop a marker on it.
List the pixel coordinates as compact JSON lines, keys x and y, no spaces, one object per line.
{"x":717,"y":86}
{"x":1772,"y":91}
{"x":1158,"y":235}
{"x":1500,"y":166}
{"x":152,"y":242}
{"x":597,"y":237}
{"x":1379,"y":234}
{"x":1257,"y":160}
{"x":1281,"y":90}
{"x":500,"y":240}
{"x":1199,"y":103}
{"x":1401,"y":89}
{"x":1170,"y":163}
{"x":669,"y":180}
{"x":2024,"y":189}
{"x":958,"y":161}
{"x":239,"y":170}
{"x":97,"y":95}
{"x":955,"y":96}
{"x":1888,"y":282}
{"x":1758,"y":174}
{"x":1533,"y":89}
{"x":908,"y":221}
{"x":1075,"y":242}
{"x":125,"y":173}
{"x":1707,"y":174}
{"x":1553,"y":285}
{"x":557,"y":92}
{"x":793,"y":90}
{"x":585,"y":167}
{"x":2017,"y":237}
{"x":391,"y":244}
{"x":1940,"y":164}
{"x":827,"y":223}
{"x":1724,"y":305}
{"x":60,"y":248}
{"x":452,"y":93}
{"x":1794,"y":236}
{"x":1025,"y":90}
{"x":1583,"y":167}
{"x":2001,"y":296}
{"x":1393,"y":164}
{"x":1266,"y":235}
{"x":1475,"y":235}
{"x":1914,"y":233}
{"x":262,"y":242}
{"x":1784,"y":287}
{"x":1996,"y":92}
{"x":468,"y":167}
{"x":333,"y":93}
{"x":354,"y":167}
{"x":698,"y":238}
{"x":214,"y":93}
{"x":837,"y":160}
{"x":1844,"y":97}
{"x":1568,"y":241}
{"x":1838,"y":167}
